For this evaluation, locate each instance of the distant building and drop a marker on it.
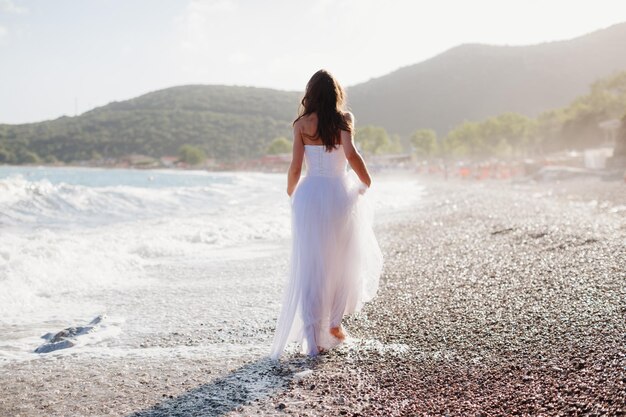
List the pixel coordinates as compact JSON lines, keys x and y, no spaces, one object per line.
{"x":618,"y":160}
{"x":610,"y":128}
{"x":139,"y":161}
{"x":169,"y":161}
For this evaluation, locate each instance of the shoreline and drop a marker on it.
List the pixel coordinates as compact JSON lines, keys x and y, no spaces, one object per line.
{"x":485,"y":306}
{"x":555,"y":175}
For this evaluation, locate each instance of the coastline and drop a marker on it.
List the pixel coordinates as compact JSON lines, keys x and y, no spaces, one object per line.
{"x":496,"y":298}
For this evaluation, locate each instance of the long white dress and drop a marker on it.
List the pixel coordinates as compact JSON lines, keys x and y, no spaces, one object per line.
{"x":335,"y":259}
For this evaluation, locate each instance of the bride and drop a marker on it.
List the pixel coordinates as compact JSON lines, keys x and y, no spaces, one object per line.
{"x":335,"y":258}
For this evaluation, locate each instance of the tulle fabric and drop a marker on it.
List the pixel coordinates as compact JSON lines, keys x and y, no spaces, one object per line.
{"x":335,"y":260}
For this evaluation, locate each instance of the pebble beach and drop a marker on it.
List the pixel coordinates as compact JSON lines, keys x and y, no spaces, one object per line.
{"x":497,"y":298}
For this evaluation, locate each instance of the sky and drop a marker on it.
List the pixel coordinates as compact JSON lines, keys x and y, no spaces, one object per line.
{"x":65,"y":57}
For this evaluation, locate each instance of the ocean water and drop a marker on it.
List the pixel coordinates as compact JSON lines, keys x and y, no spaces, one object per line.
{"x":76,"y":243}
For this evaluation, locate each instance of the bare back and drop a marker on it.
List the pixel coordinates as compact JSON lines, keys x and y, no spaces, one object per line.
{"x":308,"y":130}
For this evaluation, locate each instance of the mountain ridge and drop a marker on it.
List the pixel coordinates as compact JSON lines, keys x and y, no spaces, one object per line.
{"x":467,"y":82}
{"x":540,"y":77}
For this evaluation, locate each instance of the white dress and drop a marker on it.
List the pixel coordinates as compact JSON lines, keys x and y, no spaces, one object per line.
{"x":335,"y":259}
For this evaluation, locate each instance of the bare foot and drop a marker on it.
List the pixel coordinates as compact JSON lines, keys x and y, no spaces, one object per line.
{"x":338,"y":333}
{"x":321,"y":350}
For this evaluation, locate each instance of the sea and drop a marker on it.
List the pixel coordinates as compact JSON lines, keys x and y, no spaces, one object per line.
{"x":130,"y":251}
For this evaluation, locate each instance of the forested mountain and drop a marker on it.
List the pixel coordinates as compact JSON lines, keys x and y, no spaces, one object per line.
{"x":469,"y":82}
{"x":473,"y":82}
{"x":229,"y":123}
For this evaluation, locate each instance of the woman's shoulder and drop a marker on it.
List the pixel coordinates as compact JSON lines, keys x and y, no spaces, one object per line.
{"x":349,"y":116}
{"x":305,"y":122}
{"x":306,"y":126}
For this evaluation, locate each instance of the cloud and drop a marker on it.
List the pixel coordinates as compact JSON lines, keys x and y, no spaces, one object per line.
{"x":9,"y":6}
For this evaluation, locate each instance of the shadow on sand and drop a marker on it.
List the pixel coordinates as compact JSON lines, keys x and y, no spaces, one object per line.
{"x":254,"y":381}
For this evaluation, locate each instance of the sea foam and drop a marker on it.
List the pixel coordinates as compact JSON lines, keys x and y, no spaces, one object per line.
{"x":60,"y":242}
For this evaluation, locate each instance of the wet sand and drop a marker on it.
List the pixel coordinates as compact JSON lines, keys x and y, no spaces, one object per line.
{"x":496,"y":299}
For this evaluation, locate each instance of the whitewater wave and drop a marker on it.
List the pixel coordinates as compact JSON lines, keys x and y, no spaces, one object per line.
{"x":41,"y":202}
{"x":60,"y":243}
{"x":45,"y":272}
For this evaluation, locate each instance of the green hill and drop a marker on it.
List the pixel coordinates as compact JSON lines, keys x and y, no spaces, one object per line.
{"x":229,"y":123}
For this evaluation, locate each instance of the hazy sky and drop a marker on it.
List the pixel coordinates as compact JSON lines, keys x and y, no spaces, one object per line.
{"x":62,"y":56}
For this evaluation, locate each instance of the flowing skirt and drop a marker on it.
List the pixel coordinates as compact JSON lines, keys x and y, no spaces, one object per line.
{"x":335,"y":261}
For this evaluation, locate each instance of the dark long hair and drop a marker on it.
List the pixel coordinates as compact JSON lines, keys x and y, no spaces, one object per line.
{"x":325,"y":97}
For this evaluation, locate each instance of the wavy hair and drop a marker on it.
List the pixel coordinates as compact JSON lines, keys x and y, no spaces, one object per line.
{"x":325,"y":97}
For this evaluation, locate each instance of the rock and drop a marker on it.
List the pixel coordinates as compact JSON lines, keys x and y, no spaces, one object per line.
{"x":63,"y":338}
{"x":51,"y":347}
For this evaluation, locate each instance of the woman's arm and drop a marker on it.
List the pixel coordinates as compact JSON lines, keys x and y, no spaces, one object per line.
{"x":354,"y":157}
{"x":295,"y":169}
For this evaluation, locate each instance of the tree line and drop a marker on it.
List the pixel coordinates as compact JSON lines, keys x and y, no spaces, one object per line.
{"x":229,"y":124}
{"x":506,"y":135}
{"x":575,"y":126}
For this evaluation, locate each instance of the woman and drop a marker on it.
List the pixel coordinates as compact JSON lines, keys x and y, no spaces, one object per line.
{"x":335,"y":259}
